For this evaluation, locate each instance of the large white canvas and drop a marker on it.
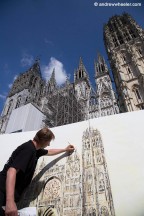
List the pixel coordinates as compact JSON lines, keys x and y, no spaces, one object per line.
{"x":122,"y":137}
{"x":63,"y":136}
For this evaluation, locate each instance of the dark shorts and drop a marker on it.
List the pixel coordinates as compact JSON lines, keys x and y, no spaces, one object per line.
{"x":2,"y":212}
{"x":2,"y":203}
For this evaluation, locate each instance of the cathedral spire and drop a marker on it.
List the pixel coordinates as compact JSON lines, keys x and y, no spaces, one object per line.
{"x":35,"y":68}
{"x":81,"y":72}
{"x":52,"y":79}
{"x":67,"y":82}
{"x":81,"y":65}
{"x":36,"y":64}
{"x":52,"y":82}
{"x":100,"y":66}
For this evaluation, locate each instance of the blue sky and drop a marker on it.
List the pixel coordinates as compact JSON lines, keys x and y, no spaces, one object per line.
{"x":58,"y":32}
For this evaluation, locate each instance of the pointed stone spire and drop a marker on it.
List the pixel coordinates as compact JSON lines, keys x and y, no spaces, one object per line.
{"x":36,"y":67}
{"x":67,"y":82}
{"x":81,"y":72}
{"x":52,"y":80}
{"x":81,"y":65}
{"x":100,"y":58}
{"x":100,"y":66}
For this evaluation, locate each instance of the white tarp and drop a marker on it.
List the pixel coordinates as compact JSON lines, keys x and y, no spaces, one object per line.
{"x":25,"y":118}
{"x":123,"y":140}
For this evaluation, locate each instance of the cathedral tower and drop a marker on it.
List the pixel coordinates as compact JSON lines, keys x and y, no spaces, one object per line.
{"x":82,"y":87}
{"x":27,"y":88}
{"x":81,"y":79}
{"x":105,"y":95}
{"x":123,"y":39}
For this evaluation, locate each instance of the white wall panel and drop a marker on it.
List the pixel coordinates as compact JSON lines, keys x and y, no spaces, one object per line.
{"x":123,"y":141}
{"x":25,"y":118}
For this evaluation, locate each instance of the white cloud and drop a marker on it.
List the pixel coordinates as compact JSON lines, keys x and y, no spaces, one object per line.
{"x":26,"y":60}
{"x":48,"y":41}
{"x":6,"y":68}
{"x":10,"y":85}
{"x":2,"y":96}
{"x":15,"y":77}
{"x":60,"y":72}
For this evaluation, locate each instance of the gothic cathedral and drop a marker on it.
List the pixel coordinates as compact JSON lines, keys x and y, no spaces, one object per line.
{"x":79,"y":101}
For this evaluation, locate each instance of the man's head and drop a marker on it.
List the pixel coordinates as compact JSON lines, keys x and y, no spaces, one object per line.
{"x":43,"y":137}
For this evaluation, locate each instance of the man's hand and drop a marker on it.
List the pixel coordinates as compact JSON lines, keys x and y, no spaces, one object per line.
{"x":70,"y":148}
{"x":11,"y":209}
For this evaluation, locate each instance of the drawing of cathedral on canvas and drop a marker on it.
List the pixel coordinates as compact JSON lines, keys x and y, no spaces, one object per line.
{"x":81,"y":186}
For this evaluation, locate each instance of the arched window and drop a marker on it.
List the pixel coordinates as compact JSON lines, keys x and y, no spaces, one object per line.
{"x":127,"y":37}
{"x":132,"y":33}
{"x":141,"y":106}
{"x":92,"y":212}
{"x":26,"y":99}
{"x":115,"y":41}
{"x":137,"y":93}
{"x":80,"y":75}
{"x":139,"y":51}
{"x":124,"y":20}
{"x":129,"y":70}
{"x":18,"y":101}
{"x":103,"y":68}
{"x":101,"y":182}
{"x":114,"y":25}
{"x":123,"y":57}
{"x":120,"y":39}
{"x":41,"y":89}
{"x":9,"y":106}
{"x":92,"y":100}
{"x":1,"y":125}
{"x":104,"y":211}
{"x":35,"y":82}
{"x":31,"y":80}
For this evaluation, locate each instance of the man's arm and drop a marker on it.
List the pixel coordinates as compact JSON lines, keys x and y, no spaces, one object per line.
{"x":11,"y":208}
{"x":69,"y":149}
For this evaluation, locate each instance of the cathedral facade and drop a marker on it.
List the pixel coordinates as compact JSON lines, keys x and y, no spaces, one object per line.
{"x":78,"y":101}
{"x":73,"y":102}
